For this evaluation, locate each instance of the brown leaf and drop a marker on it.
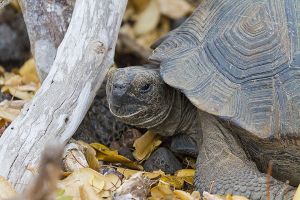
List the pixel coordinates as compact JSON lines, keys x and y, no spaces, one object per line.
{"x":129,"y":172}
{"x":297,"y":194}
{"x":90,"y":155}
{"x":71,"y":185}
{"x":20,"y":94}
{"x":162,"y":191}
{"x":182,"y":195}
{"x":6,"y":189}
{"x":175,"y":9}
{"x":145,"y":145}
{"x":107,"y":155}
{"x":148,"y":19}
{"x":9,"y":114}
{"x":187,"y":175}
{"x":28,"y":72}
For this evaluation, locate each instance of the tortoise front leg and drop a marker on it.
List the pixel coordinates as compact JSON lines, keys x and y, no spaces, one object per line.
{"x":223,"y":167}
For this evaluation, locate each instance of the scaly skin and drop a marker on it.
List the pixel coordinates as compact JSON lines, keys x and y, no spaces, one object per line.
{"x":223,"y":166}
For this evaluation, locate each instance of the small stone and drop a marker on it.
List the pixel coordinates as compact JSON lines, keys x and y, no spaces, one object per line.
{"x":164,"y":160}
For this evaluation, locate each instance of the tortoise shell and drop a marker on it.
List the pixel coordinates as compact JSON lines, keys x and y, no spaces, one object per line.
{"x":239,"y":60}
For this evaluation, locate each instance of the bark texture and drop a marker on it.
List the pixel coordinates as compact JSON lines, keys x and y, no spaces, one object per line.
{"x":82,"y":61}
{"x":46,"y":23}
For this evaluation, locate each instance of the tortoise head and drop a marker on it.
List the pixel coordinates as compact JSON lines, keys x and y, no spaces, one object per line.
{"x":138,"y":96}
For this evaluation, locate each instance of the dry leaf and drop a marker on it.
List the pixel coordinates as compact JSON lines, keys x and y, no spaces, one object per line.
{"x":16,"y":104}
{"x":90,"y":155}
{"x":20,"y":94}
{"x":107,"y":155}
{"x":209,"y":196}
{"x":148,"y":19}
{"x":9,"y":114}
{"x":114,"y":182}
{"x":174,"y":181}
{"x":145,"y":145}
{"x":162,"y":191}
{"x":196,"y":195}
{"x":31,"y":87}
{"x":73,"y":158}
{"x":129,"y":172}
{"x":28,"y":72}
{"x":87,"y":193}
{"x":175,"y":9}
{"x":6,"y":189}
{"x":140,"y":5}
{"x":148,"y":39}
{"x":136,"y":187}
{"x":16,"y":5}
{"x":187,"y":175}
{"x":71,"y":185}
{"x":182,"y":195}
{"x":297,"y":194}
{"x":14,"y":80}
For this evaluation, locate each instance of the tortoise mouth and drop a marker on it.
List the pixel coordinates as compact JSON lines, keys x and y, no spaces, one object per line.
{"x":125,"y":111}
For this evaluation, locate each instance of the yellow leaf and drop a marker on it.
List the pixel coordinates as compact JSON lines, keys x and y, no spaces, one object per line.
{"x":148,"y":39}
{"x":16,"y":5}
{"x":20,"y":94}
{"x":297,"y":194}
{"x":185,"y":172}
{"x":209,"y":196}
{"x":140,"y":5}
{"x":107,"y":155}
{"x":148,"y":19}
{"x":8,"y":75}
{"x":28,"y":72}
{"x":187,"y":175}
{"x":162,"y":191}
{"x":236,"y":197}
{"x":113,"y":183}
{"x":129,"y":172}
{"x":182,"y":195}
{"x":196,"y":195}
{"x":90,"y":155}
{"x":31,"y":87}
{"x":175,"y":9}
{"x":87,"y":193}
{"x":14,"y":80}
{"x":99,"y":147}
{"x":9,"y":114}
{"x":2,"y":81}
{"x":6,"y":189}
{"x":71,"y":185}
{"x":105,"y":194}
{"x":16,"y":104}
{"x":174,"y":181}
{"x":145,"y":145}
{"x":97,"y":183}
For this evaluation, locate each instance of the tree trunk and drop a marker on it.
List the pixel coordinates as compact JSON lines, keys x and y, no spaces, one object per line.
{"x":82,"y":61}
{"x":46,"y":23}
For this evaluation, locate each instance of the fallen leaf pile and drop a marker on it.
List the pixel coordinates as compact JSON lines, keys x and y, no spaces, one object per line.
{"x":17,"y":88}
{"x":145,"y":21}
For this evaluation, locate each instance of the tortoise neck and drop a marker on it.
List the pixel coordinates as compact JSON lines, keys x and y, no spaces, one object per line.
{"x":181,"y":117}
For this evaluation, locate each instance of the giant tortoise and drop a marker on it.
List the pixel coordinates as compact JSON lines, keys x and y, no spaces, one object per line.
{"x":232,"y":70}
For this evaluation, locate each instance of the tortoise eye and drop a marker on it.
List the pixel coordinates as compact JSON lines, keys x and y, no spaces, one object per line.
{"x":145,"y":88}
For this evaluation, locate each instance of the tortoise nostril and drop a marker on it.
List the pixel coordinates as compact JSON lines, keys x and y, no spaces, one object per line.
{"x":119,"y":89}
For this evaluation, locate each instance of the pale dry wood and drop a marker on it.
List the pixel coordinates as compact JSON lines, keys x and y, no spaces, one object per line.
{"x":46,"y":23}
{"x":83,"y":58}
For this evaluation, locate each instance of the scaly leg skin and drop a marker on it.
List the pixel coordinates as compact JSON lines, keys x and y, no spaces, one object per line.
{"x":223,"y":167}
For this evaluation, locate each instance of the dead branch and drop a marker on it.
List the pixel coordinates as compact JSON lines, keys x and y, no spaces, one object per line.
{"x":83,"y":58}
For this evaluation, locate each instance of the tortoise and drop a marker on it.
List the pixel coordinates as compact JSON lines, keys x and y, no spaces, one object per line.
{"x":231,"y":72}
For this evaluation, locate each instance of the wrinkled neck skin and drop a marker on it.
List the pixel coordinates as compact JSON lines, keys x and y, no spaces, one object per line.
{"x":182,"y":118}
